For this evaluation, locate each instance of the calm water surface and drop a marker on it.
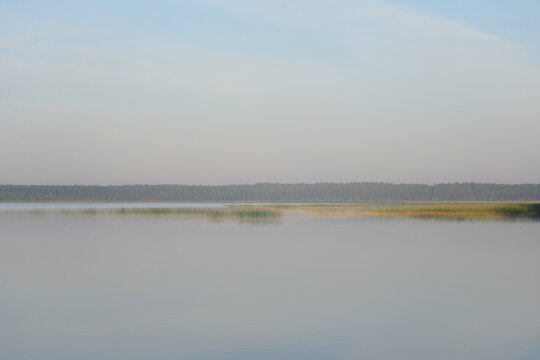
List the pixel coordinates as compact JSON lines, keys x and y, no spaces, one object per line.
{"x":6,"y":206}
{"x":111,"y":287}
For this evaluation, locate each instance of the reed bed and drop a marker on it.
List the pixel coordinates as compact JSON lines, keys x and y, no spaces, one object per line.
{"x":449,"y":211}
{"x":252,"y":214}
{"x":243,"y":215}
{"x":274,"y":212}
{"x":493,"y":211}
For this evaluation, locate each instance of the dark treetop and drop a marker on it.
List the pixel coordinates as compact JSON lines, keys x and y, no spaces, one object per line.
{"x":325,"y":192}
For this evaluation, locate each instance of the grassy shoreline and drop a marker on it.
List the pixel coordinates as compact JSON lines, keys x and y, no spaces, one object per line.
{"x":447,"y":211}
{"x":214,"y":214}
{"x":273,"y":212}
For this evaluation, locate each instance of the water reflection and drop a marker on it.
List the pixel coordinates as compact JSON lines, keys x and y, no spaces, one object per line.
{"x":165,"y":287}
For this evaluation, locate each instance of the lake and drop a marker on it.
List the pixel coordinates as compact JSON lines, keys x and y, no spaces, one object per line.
{"x":303,"y":287}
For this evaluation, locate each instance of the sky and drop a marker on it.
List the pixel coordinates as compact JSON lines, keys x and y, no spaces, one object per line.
{"x":238,"y":91}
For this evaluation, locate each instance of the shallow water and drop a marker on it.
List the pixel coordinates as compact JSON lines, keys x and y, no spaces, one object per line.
{"x":109,"y":287}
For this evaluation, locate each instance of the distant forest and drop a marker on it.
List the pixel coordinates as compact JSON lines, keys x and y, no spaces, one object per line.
{"x":320,"y":192}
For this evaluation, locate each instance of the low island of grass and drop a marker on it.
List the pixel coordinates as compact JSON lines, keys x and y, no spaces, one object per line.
{"x":242,"y":214}
{"x":248,"y":214}
{"x":273,"y":212}
{"x":424,"y":210}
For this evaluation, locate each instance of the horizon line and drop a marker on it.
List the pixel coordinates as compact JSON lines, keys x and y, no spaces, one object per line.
{"x":284,"y":183}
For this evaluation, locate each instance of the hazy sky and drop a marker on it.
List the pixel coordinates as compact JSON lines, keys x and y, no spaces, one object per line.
{"x":243,"y":91}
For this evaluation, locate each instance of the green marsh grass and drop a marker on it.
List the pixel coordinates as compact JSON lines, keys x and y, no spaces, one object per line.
{"x":254,"y":215}
{"x":218,"y":214}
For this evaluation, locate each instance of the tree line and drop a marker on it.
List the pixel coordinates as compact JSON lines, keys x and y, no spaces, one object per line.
{"x":322,"y":192}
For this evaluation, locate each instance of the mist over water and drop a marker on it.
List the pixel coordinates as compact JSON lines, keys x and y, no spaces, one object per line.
{"x":110,"y":287}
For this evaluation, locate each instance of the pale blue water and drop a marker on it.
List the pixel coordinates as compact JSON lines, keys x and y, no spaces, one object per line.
{"x":108,"y":205}
{"x":109,"y":287}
